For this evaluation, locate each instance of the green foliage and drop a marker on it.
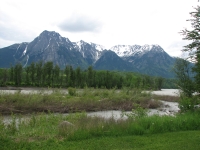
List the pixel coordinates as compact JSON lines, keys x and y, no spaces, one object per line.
{"x":72,"y":91}
{"x":188,"y":103}
{"x":136,"y":113}
{"x":183,"y":72}
{"x":188,"y":82}
{"x":39,"y":72}
{"x":193,"y":48}
{"x":4,"y":77}
{"x":18,"y":74}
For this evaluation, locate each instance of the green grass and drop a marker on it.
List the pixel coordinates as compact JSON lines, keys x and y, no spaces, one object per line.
{"x":188,"y":140}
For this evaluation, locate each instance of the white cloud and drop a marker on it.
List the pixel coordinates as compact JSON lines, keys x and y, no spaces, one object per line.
{"x":105,"y":22}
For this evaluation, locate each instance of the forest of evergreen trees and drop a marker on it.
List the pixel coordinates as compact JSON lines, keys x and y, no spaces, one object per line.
{"x":49,"y":75}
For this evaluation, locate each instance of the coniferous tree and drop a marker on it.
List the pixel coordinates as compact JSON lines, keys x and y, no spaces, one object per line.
{"x":18,"y":74}
{"x":3,"y":77}
{"x":90,"y":76}
{"x":72,"y":76}
{"x":32,"y":72}
{"x":38,"y":69}
{"x":61,"y":78}
{"x":56,"y":75}
{"x":11,"y":73}
{"x":67,"y":75}
{"x":27,"y":78}
{"x":49,"y":71}
{"x":78,"y":77}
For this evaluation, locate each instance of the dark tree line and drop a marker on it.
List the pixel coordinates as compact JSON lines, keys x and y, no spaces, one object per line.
{"x":49,"y":75}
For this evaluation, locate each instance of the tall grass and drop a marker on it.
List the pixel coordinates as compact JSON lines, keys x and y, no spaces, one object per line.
{"x":39,"y":127}
{"x":94,"y":127}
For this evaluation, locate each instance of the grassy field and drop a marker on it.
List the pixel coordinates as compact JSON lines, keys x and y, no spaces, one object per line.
{"x":187,"y":140}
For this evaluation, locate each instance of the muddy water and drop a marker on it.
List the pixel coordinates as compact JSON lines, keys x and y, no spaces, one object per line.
{"x":171,"y":92}
{"x":31,"y":91}
{"x":167,"y":108}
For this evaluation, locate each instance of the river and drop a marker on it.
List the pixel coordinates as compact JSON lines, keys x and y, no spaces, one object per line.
{"x":167,"y":108}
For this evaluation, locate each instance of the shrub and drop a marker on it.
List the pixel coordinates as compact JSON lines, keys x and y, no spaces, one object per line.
{"x":72,"y":91}
{"x":186,"y":103}
{"x":137,"y":113}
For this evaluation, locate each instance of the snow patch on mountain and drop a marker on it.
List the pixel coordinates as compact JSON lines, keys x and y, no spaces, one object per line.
{"x":97,"y":46}
{"x":27,"y":58}
{"x":79,"y":43}
{"x":25,"y":51}
{"x":131,"y":50}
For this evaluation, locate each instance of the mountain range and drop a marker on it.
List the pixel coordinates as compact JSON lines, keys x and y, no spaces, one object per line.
{"x":51,"y":46}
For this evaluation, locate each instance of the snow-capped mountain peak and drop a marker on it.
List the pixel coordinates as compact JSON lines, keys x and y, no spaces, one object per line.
{"x":90,"y":51}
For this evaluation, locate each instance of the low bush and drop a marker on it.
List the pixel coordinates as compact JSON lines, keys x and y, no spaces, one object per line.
{"x":72,"y":91}
{"x":188,"y":103}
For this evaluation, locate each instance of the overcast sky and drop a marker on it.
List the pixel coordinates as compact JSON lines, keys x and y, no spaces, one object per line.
{"x":104,"y":22}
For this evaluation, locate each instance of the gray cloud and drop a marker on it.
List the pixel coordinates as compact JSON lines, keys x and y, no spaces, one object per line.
{"x":80,"y":23}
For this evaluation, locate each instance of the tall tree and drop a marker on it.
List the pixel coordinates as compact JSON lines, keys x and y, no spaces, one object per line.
{"x":67,"y":75}
{"x":32,"y":72}
{"x":56,"y":75}
{"x":18,"y":74}
{"x":90,"y":76}
{"x":72,"y":76}
{"x":78,"y":77}
{"x":11,"y":73}
{"x":27,"y":79}
{"x":194,"y":47}
{"x":158,"y":83}
{"x":3,"y":77}
{"x":182,"y":71}
{"x":47,"y":73}
{"x":38,"y":69}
